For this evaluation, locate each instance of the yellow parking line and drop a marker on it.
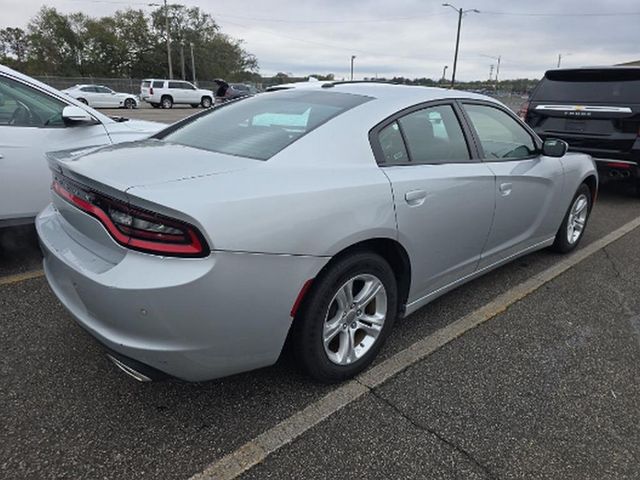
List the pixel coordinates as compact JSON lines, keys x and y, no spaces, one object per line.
{"x":21,"y":277}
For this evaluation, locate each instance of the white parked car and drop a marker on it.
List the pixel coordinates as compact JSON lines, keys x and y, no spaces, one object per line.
{"x":99,"y":96}
{"x":35,"y":119}
{"x":167,"y":93}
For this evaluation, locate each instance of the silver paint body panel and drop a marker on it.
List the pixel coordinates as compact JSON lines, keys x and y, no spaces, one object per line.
{"x":274,"y":225}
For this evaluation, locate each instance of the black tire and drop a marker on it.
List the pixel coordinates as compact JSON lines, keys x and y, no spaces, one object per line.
{"x":166,"y":102}
{"x":307,"y":333}
{"x":206,"y":102}
{"x":83,"y":100}
{"x":129,"y":103}
{"x":562,"y":243}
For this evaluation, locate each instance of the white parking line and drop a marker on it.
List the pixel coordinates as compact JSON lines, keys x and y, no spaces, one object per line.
{"x":21,"y":277}
{"x":257,"y":450}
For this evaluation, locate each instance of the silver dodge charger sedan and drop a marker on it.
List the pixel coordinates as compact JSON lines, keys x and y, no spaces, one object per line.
{"x":318,"y":214}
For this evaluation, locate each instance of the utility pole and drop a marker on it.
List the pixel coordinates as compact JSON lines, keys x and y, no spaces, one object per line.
{"x":490,"y":72}
{"x":353,"y":57}
{"x":184,"y":77}
{"x":166,"y":28}
{"x":444,"y":72}
{"x":460,"y":12}
{"x":193,"y":65}
{"x":498,"y":72}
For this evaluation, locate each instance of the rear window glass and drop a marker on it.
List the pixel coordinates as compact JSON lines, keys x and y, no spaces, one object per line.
{"x":261,"y":126}
{"x":146,"y":84}
{"x":597,"y":86}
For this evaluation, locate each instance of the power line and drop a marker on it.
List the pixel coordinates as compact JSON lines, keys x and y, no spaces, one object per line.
{"x":542,"y":14}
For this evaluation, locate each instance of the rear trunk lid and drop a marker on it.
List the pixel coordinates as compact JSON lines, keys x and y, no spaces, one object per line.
{"x":143,"y":163}
{"x":597,"y":111}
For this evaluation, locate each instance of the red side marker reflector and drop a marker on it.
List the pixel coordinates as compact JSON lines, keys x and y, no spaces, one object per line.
{"x":303,"y":291}
{"x":618,"y":165}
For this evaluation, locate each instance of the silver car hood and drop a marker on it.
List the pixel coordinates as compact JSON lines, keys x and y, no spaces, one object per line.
{"x":144,"y":163}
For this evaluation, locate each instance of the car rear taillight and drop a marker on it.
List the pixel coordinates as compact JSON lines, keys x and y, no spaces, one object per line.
{"x":151,"y":91}
{"x":524,"y":109}
{"x":133,"y":227}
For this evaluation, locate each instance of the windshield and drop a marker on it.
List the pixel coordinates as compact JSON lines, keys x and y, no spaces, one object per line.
{"x":261,"y":126}
{"x":590,"y":86}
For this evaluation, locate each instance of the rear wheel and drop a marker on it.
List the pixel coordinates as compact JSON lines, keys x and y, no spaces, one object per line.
{"x":575,"y":221}
{"x":346,"y":317}
{"x":83,"y":100}
{"x":166,"y":102}
{"x":129,"y":103}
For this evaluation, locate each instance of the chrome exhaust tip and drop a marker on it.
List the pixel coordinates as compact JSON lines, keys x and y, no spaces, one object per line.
{"x":128,"y":370}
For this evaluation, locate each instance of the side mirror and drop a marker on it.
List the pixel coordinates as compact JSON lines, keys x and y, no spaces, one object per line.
{"x":554,"y":147}
{"x":76,"y":114}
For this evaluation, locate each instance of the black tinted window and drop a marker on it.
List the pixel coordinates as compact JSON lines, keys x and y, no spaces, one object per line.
{"x":176,"y":85}
{"x":434,"y":135}
{"x":158,"y":84}
{"x":261,"y":126}
{"x":501,"y":136}
{"x":598,"y":86}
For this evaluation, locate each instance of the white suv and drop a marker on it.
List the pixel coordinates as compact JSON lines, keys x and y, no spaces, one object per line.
{"x":167,"y":93}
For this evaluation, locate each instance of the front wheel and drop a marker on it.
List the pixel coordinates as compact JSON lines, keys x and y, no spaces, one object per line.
{"x":575,"y":221}
{"x":83,"y":100}
{"x":346,"y":318}
{"x":129,"y":103}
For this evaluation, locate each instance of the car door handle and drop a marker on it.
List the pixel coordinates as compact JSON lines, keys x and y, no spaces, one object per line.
{"x":505,"y":189}
{"x":415,"y":197}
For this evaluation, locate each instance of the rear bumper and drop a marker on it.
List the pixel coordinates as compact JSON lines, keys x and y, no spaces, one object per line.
{"x":194,"y":319}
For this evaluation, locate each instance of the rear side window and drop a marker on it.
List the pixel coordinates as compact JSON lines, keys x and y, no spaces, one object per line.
{"x":146,"y":84}
{"x":88,"y":89}
{"x":590,"y":86}
{"x":176,"y":85}
{"x":261,"y":126}
{"x":392,"y":144}
{"x":434,"y":135}
{"x":158,"y":84}
{"x":501,"y":136}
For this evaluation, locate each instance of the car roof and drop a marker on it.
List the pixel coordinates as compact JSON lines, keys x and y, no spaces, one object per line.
{"x":394,"y":93}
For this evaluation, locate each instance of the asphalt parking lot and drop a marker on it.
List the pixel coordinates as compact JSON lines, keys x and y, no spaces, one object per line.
{"x":547,"y":388}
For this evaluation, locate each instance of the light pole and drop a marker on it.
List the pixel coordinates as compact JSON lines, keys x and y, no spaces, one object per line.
{"x":353,"y":57}
{"x":182,"y":58}
{"x":560,"y":58}
{"x":444,"y":72}
{"x":498,"y":60}
{"x":460,"y":12}
{"x":193,"y":65}
{"x":166,"y":28}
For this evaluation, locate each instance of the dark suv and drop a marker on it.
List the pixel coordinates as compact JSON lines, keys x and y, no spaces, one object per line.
{"x":596,"y":111}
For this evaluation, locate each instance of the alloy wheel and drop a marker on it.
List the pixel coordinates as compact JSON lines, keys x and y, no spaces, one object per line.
{"x":577,"y":218}
{"x":355,"y":318}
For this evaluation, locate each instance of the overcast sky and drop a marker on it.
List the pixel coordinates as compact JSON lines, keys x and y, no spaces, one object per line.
{"x":411,"y":38}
